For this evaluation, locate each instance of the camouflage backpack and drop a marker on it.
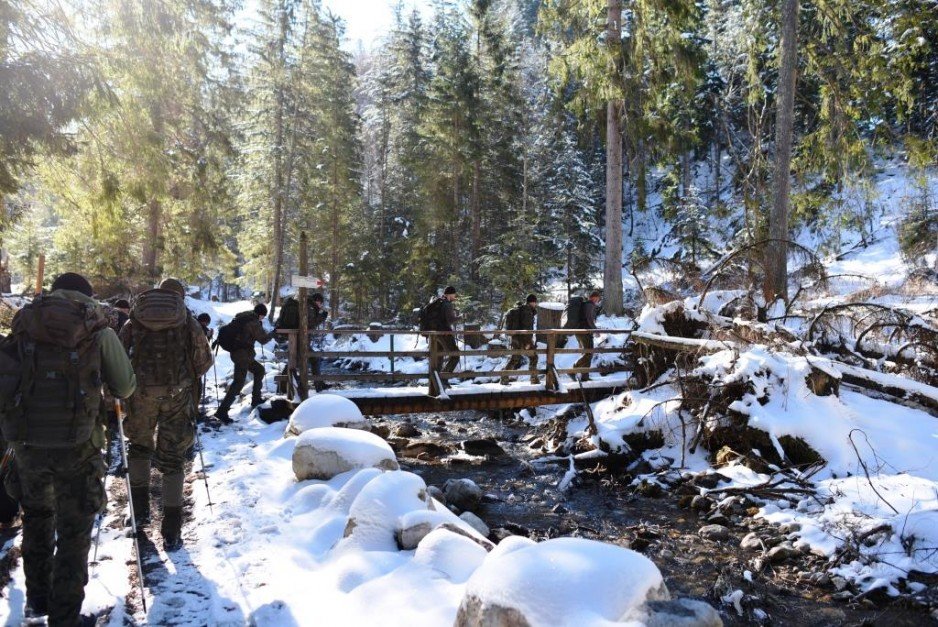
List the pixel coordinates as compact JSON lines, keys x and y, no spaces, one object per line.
{"x":513,"y":317}
{"x":161,"y":347}
{"x":57,"y":400}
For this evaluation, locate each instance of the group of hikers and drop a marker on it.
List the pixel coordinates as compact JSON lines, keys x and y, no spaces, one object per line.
{"x":66,"y":360}
{"x":63,"y":363}
{"x":440,"y":315}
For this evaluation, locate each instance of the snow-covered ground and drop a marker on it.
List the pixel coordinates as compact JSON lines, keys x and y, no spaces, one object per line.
{"x":271,"y":550}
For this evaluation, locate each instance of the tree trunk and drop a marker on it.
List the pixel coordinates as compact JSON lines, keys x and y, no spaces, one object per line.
{"x":278,"y":170}
{"x":476,"y":220}
{"x":152,"y":244}
{"x":776,"y":252}
{"x":612,"y":274}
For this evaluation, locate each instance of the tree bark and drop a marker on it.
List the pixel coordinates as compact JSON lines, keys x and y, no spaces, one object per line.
{"x":776,"y":252}
{"x":278,"y":168}
{"x":612,"y":273}
{"x":152,"y":245}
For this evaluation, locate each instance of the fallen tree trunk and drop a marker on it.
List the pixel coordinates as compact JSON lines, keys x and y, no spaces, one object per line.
{"x":891,"y":385}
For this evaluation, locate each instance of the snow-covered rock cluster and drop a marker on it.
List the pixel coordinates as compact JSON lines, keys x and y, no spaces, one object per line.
{"x":369,"y":510}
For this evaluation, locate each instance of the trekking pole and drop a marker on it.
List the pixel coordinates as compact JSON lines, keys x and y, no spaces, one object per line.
{"x":130,"y":503}
{"x":215,"y":372}
{"x":198,"y":443}
{"x":7,"y":461}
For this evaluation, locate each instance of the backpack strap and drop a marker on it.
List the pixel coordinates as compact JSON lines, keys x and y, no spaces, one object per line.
{"x":28,"y":358}
{"x":74,"y":392}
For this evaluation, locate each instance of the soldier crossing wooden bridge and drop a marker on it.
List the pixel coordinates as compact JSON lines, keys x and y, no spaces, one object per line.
{"x":430,"y":389}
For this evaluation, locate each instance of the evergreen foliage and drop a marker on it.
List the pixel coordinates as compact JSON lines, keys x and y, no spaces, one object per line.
{"x":141,"y":139}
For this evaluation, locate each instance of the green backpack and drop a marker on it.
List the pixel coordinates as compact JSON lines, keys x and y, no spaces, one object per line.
{"x":56,"y":401}
{"x":161,"y":350}
{"x":513,"y":317}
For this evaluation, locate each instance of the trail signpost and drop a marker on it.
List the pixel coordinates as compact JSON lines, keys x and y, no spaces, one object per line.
{"x":308,"y":282}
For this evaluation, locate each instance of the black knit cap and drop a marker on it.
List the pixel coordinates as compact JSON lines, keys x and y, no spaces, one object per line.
{"x":317,"y":298}
{"x":122,"y":304}
{"x":74,"y":282}
{"x":260,"y":309}
{"x":204,"y":317}
{"x":531,"y":298}
{"x":449,"y":290}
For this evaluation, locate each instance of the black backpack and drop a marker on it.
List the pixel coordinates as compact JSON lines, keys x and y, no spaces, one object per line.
{"x":513,"y":317}
{"x":430,"y":317}
{"x":162,"y":349}
{"x":574,"y":312}
{"x":289,"y":317}
{"x":231,"y":336}
{"x":56,"y":401}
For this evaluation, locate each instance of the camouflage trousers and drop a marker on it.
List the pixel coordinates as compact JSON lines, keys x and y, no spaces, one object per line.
{"x":522,"y":343}
{"x":244,"y":363}
{"x":160,"y":429}
{"x":61,"y":491}
{"x":446,"y":344}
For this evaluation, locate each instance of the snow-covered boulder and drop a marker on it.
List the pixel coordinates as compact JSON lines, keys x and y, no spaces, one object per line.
{"x":475,"y":522}
{"x":329,"y":451}
{"x":374,"y":519}
{"x":325,"y":410}
{"x":393,"y":511}
{"x":676,"y":613}
{"x":566,"y":581}
{"x":416,"y":525}
{"x":452,"y":554}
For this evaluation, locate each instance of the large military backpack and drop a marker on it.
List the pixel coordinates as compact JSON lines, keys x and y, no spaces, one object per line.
{"x":56,"y":401}
{"x":233,"y":336}
{"x":431,"y":316}
{"x":513,"y":317}
{"x":574,"y":313}
{"x":289,"y":317}
{"x":161,"y":353}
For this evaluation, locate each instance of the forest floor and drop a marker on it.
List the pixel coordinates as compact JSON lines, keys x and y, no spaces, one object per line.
{"x":262,"y":551}
{"x":523,"y":497}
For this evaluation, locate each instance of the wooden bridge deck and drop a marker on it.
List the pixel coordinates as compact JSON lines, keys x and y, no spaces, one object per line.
{"x":398,"y":400}
{"x":438,"y":395}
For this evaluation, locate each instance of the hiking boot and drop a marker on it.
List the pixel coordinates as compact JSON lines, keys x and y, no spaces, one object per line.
{"x":222,"y":416}
{"x":535,"y":380}
{"x":171,"y":529}
{"x":584,"y":377}
{"x":504,"y":381}
{"x":257,"y":400}
{"x":140,"y":499}
{"x":37,"y":609}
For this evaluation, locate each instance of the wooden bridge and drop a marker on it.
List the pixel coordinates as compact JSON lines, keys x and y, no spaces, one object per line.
{"x":432,"y":390}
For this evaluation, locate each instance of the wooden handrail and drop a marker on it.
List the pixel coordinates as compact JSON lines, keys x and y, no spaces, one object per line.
{"x":345,"y":332}
{"x":435,"y":356}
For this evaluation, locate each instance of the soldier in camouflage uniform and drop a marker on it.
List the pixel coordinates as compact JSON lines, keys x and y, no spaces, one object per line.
{"x":164,"y":406}
{"x":524,"y":316}
{"x":250,"y":330}
{"x":59,"y":478}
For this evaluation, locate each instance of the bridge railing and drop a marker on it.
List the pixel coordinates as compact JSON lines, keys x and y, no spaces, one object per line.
{"x":435,"y":357}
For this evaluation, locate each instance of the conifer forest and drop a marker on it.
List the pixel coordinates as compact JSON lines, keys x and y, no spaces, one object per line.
{"x":432,"y":313}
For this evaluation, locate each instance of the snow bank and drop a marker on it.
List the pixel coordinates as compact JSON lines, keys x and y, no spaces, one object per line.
{"x":325,"y":410}
{"x":780,"y":403}
{"x":329,"y":451}
{"x":565,"y":581}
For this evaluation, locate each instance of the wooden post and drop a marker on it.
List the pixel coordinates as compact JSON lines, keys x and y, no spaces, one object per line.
{"x":392,"y":354}
{"x":552,"y":384}
{"x":433,"y":365}
{"x":40,"y":273}
{"x":303,"y":332}
{"x":291,"y":362}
